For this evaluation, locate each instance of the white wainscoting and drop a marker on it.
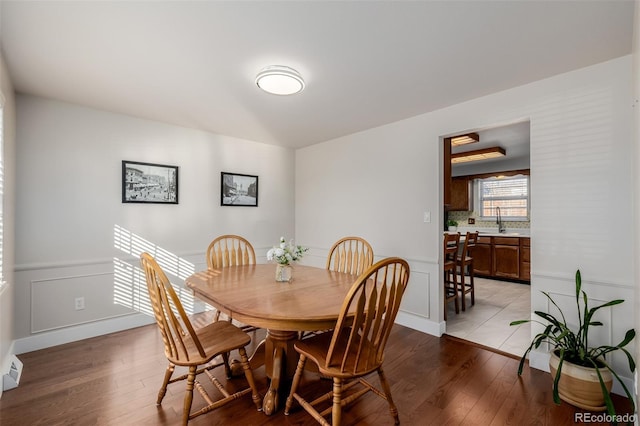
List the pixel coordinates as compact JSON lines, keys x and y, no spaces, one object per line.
{"x":115,"y":296}
{"x":53,"y":301}
{"x":114,"y":292}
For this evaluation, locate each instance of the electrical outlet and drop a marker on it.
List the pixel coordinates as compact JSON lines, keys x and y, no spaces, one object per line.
{"x":79,"y":303}
{"x":471,"y":221}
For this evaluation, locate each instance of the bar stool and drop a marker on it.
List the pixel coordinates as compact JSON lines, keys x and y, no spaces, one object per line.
{"x":451,"y":245}
{"x":464,"y":260}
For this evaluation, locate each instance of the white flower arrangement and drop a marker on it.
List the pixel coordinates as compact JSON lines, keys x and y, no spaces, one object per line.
{"x":285,"y":253}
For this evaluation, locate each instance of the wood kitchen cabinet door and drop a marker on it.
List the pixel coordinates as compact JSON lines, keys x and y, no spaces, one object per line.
{"x":482,"y":257}
{"x":506,"y":258}
{"x":459,"y":196}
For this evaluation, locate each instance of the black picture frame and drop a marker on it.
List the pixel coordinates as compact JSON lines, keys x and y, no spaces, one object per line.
{"x":149,"y":183}
{"x":238,"y":190}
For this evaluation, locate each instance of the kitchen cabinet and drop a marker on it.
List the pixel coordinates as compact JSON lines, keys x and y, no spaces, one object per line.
{"x":482,"y":259}
{"x":506,"y":257}
{"x":525,"y":259}
{"x":460,"y":196}
{"x":503,"y":257}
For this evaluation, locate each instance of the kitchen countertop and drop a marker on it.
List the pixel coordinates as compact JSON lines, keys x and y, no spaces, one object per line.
{"x":492,"y":232}
{"x":504,"y":234}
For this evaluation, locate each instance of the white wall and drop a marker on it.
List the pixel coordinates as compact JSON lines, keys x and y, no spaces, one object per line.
{"x":73,"y":232}
{"x":6,"y":293}
{"x":378,"y":183}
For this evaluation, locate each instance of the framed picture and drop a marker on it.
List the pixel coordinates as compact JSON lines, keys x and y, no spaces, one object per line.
{"x":149,"y":183}
{"x":238,"y":190}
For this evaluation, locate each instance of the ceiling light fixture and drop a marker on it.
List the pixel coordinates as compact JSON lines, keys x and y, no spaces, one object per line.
{"x":480,"y":154}
{"x":465,"y":139}
{"x":280,"y":80}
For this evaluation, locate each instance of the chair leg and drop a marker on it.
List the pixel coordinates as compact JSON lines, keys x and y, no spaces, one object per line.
{"x":455,"y":289}
{"x":167,"y":376}
{"x":336,"y":411}
{"x":294,"y":384}
{"x":255,"y":395}
{"x":451,"y":280}
{"x":188,"y":396}
{"x":446,"y":279}
{"x":227,"y":367}
{"x":473,"y":285}
{"x":387,"y":391}
{"x":463,"y":290}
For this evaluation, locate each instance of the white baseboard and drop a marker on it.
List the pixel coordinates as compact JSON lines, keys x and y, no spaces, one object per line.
{"x":421,"y":324}
{"x":79,"y":332}
{"x":539,"y":360}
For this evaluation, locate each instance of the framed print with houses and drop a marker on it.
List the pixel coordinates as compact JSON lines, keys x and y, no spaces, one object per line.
{"x":149,"y":183}
{"x":238,"y":190}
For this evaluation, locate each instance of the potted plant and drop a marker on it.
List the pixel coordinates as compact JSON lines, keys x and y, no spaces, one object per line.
{"x":582,"y":376}
{"x":452,"y":225}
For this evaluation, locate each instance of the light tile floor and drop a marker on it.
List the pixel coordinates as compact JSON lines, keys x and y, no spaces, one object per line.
{"x":487,"y":322}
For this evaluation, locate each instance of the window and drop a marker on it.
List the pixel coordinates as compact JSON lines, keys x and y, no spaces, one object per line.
{"x":511,"y":194}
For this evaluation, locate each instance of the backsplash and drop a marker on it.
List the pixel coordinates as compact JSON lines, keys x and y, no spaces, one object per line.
{"x":462,"y":219}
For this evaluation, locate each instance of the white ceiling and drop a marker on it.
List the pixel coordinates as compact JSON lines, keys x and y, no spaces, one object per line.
{"x":193,"y":63}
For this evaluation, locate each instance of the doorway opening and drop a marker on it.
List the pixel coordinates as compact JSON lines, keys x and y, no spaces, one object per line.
{"x":475,"y":192}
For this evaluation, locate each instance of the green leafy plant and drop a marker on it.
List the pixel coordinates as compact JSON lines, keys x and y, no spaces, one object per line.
{"x":573,"y":346}
{"x":452,"y":222}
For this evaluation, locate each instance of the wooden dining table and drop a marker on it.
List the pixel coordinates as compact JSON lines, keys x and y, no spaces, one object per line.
{"x":251,"y":295}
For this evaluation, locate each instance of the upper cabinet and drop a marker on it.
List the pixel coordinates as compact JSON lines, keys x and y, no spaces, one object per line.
{"x":460,"y":197}
{"x":510,"y":141}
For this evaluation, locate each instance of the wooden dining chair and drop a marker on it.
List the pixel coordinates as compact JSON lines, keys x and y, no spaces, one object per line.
{"x":464,"y":266}
{"x":352,"y":255}
{"x":355,"y":348}
{"x":194,"y":348}
{"x":230,"y":250}
{"x":450,"y":255}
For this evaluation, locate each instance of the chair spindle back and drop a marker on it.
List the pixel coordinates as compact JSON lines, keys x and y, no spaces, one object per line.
{"x":180,"y":340}
{"x":367,"y":316}
{"x":230,"y":250}
{"x":352,"y":255}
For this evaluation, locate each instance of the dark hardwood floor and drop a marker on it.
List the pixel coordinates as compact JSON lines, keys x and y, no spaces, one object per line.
{"x":114,"y":380}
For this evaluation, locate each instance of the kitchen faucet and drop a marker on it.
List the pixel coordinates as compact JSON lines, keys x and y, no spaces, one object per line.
{"x":501,"y":227}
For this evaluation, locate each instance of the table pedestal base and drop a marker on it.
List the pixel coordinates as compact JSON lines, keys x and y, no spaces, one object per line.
{"x":280,"y":359}
{"x":280,"y":364}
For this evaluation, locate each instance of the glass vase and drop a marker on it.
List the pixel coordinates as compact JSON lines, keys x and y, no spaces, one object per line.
{"x":283,"y":273}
